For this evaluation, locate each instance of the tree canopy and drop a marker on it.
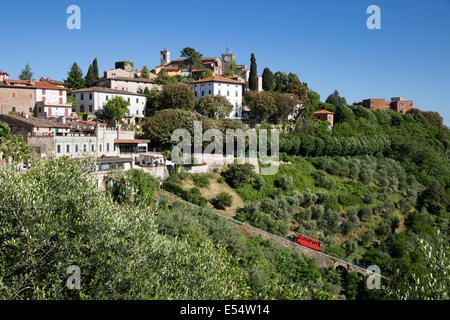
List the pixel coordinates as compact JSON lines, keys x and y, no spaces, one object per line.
{"x":75,"y":79}
{"x":176,"y":96}
{"x":116,"y":108}
{"x":214,"y":106}
{"x":26,"y":73}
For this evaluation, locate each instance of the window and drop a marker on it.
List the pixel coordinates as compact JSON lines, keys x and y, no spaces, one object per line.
{"x":203,"y":93}
{"x":137,"y":112}
{"x":14,"y":109}
{"x":90,"y":108}
{"x":43,"y":91}
{"x":84,"y":148}
{"x":30,"y":109}
{"x":236,"y":93}
{"x":58,"y":148}
{"x":68,"y":148}
{"x":92,"y":148}
{"x":107,"y":98}
{"x":210,"y":91}
{"x":14,"y":95}
{"x":43,"y":99}
{"x":31,"y":96}
{"x":196,"y":94}
{"x":137,"y":100}
{"x":219,"y":93}
{"x":228,"y":93}
{"x":100,"y":147}
{"x":81,"y":96}
{"x":60,"y":100}
{"x":60,"y":92}
{"x":128,"y":100}
{"x":76,"y":148}
{"x":107,"y":147}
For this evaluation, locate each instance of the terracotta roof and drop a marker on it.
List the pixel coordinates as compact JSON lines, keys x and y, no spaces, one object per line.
{"x":131,"y":141}
{"x":218,"y":79}
{"x":108,"y":90}
{"x":34,"y":122}
{"x":323,"y":111}
{"x":29,"y":84}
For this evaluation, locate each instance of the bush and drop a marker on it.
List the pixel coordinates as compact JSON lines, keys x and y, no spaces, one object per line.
{"x":135,"y":187}
{"x":222,"y":201}
{"x":286,"y":183}
{"x":201,"y":180}
{"x":236,"y":175}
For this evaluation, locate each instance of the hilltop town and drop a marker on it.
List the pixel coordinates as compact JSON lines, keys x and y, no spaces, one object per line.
{"x":89,"y":162}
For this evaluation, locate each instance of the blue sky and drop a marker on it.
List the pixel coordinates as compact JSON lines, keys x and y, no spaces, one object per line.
{"x":326,"y":42}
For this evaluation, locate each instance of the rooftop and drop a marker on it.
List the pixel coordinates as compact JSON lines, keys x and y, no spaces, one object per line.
{"x":323,"y":111}
{"x":218,"y":79}
{"x":108,"y":90}
{"x":29,"y":84}
{"x":33,"y":121}
{"x":127,"y":79}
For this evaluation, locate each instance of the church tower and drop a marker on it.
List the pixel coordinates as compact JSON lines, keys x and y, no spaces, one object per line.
{"x":164,"y":57}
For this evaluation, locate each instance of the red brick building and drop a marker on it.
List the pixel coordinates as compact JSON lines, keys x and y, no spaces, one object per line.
{"x":325,"y":115}
{"x":397,"y":104}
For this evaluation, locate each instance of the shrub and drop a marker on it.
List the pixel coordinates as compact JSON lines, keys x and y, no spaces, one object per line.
{"x":364,"y":213}
{"x":201,"y":180}
{"x":236,"y":175}
{"x":286,"y":183}
{"x":222,"y":201}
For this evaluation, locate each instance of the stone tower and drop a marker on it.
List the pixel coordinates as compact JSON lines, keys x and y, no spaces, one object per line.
{"x":227,"y":61}
{"x":164,"y":57}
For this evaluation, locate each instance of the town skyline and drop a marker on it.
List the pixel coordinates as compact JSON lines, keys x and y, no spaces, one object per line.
{"x":329,"y":48}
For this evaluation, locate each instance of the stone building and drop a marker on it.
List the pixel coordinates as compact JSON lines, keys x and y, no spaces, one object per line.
{"x":397,"y":104}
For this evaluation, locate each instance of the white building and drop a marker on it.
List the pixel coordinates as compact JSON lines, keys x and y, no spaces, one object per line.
{"x":94,"y":99}
{"x":136,"y":85}
{"x":221,"y":86}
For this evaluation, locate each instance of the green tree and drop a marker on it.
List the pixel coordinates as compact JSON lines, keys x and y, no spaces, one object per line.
{"x":118,"y":249}
{"x":285,"y":106}
{"x":152,"y":101}
{"x":177,"y":96}
{"x":253,"y":78}
{"x":262,"y":104}
{"x":236,"y":175}
{"x":73,"y":101}
{"x":135,"y":188}
{"x":268,"y":81}
{"x":216,"y":107}
{"x":281,"y":79}
{"x":145,"y":73}
{"x":193,"y":58}
{"x":4,"y":129}
{"x":335,"y":99}
{"x":292,"y":77}
{"x":297,"y":89}
{"x":116,"y":108}
{"x":26,"y":73}
{"x":95,"y":66}
{"x":90,"y":77}
{"x":75,"y":79}
{"x":206,"y":73}
{"x":233,"y":67}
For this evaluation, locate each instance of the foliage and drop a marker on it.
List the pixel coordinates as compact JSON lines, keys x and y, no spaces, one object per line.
{"x":135,"y":188}
{"x":239,"y":174}
{"x":145,"y":73}
{"x":75,"y":79}
{"x":192,"y":57}
{"x":222,"y":201}
{"x":65,"y":221}
{"x":253,"y":77}
{"x":268,"y":80}
{"x":201,"y":180}
{"x":122,"y":64}
{"x":335,"y":99}
{"x":116,"y":108}
{"x":89,"y":80}
{"x":26,"y":73}
{"x":176,"y":96}
{"x":216,"y":107}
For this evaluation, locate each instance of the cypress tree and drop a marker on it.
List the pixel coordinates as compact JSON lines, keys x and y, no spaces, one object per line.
{"x":253,"y":78}
{"x":267,"y":81}
{"x":90,"y":77}
{"x":95,"y":66}
{"x":75,"y":79}
{"x":145,"y":73}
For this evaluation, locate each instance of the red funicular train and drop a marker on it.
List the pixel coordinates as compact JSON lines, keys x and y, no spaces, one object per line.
{"x":308,"y":242}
